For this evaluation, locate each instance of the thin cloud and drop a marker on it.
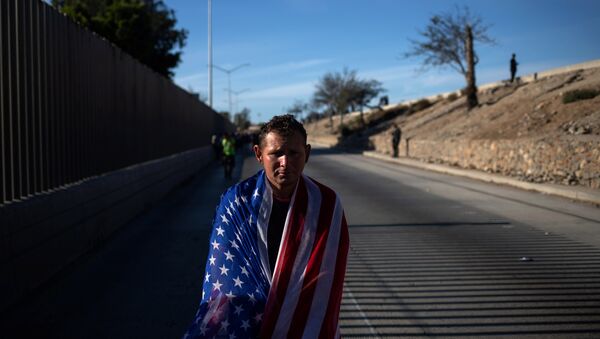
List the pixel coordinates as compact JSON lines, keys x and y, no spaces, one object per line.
{"x":253,"y":72}
{"x":286,"y":67}
{"x":190,"y":78}
{"x":390,"y":73}
{"x":284,"y":91}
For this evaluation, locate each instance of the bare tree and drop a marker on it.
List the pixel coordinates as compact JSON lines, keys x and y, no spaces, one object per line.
{"x":448,"y":41}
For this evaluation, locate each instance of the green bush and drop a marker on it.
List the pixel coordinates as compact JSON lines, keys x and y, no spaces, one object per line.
{"x":421,"y":105}
{"x":579,"y":94}
{"x":451,"y":97}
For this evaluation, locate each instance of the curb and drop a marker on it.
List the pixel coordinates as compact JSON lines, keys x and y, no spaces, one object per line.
{"x":575,"y":193}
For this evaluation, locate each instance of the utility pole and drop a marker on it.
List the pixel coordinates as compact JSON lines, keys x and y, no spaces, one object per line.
{"x":229,"y":71}
{"x":237,"y":100}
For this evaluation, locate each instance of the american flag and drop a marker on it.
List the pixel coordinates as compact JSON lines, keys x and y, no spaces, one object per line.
{"x":240,"y":296}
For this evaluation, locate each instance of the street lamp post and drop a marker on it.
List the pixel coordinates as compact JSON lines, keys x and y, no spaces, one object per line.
{"x":237,"y":93}
{"x":229,"y":71}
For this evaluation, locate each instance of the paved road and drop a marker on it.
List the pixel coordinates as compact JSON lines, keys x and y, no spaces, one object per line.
{"x":431,"y":255}
{"x":437,"y":255}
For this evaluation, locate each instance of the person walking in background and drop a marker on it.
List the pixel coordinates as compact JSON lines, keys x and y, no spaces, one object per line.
{"x":228,"y":150}
{"x":216,"y":145}
{"x":513,"y":67}
{"x":396,"y":135}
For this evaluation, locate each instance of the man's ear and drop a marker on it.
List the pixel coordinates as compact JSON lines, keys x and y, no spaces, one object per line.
{"x":257,"y":153}
{"x":308,"y":148}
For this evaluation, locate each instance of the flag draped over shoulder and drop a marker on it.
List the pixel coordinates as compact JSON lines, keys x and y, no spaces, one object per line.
{"x":301,"y":299}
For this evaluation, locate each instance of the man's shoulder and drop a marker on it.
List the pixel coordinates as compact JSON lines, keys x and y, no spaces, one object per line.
{"x":246,"y":186}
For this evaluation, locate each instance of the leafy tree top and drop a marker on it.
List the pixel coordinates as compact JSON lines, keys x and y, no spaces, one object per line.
{"x":143,"y":28}
{"x":340,"y":90}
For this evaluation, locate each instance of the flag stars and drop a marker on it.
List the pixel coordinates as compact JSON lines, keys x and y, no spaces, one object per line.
{"x":230,"y":295}
{"x":238,"y":282}
{"x":224,"y":219}
{"x":217,"y":285}
{"x":237,"y":201}
{"x":231,"y":205}
{"x":212,"y":260}
{"x":245,"y":271}
{"x":234,"y":244}
{"x":232,"y":336}
{"x":245,"y":325}
{"x":229,"y":255}
{"x":220,"y":231}
{"x":255,"y":195}
{"x":258,"y":317}
{"x":244,"y":199}
{"x":224,"y":325}
{"x":203,"y":329}
{"x":224,"y":270}
{"x":207,"y":276}
{"x":215,"y":245}
{"x":252,"y":298}
{"x":238,"y":310}
{"x":228,"y":211}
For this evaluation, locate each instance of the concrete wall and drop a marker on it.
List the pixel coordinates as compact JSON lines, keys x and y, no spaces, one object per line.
{"x":565,"y":161}
{"x":44,"y":234}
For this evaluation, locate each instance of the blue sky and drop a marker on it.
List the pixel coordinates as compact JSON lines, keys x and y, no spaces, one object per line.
{"x":290,"y":44}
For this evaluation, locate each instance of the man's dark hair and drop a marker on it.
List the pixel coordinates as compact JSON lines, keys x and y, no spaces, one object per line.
{"x":284,"y":125}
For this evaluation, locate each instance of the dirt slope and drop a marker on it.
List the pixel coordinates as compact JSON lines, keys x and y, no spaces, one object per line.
{"x":524,"y":115}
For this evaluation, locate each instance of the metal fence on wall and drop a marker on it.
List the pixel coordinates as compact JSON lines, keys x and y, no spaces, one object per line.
{"x":74,"y":106}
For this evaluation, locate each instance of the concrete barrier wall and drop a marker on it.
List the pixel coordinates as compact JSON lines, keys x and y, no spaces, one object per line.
{"x":565,"y":161}
{"x":44,"y":234}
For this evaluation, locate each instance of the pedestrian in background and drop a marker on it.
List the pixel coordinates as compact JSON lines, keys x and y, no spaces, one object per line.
{"x":396,"y":135}
{"x":228,"y":150}
{"x":216,"y":145}
{"x":513,"y":67}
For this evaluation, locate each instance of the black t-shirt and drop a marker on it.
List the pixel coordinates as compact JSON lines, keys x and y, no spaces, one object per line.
{"x":275,"y":230}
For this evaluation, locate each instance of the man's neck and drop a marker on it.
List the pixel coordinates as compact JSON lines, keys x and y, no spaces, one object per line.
{"x":284,"y":193}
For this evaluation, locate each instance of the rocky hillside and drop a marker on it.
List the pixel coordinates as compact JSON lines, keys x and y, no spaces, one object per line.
{"x":528,"y":130}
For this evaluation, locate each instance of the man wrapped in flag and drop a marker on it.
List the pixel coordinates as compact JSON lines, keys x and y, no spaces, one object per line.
{"x":278,"y":249}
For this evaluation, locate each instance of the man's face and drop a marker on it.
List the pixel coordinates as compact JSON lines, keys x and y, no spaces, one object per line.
{"x":283,"y":159}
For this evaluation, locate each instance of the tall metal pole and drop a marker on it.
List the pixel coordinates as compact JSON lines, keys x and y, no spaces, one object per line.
{"x":210,"y":66}
{"x":229,"y":71}
{"x":229,"y":91}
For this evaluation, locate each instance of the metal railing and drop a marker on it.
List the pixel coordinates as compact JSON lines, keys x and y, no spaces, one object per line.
{"x":74,"y":106}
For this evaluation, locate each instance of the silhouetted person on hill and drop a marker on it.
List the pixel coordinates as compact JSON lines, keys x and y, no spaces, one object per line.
{"x":396,"y":135}
{"x":513,"y":67}
{"x":384,"y":101}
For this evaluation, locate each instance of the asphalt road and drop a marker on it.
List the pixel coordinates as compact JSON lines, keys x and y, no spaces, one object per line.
{"x":431,"y":255}
{"x":434,"y":255}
